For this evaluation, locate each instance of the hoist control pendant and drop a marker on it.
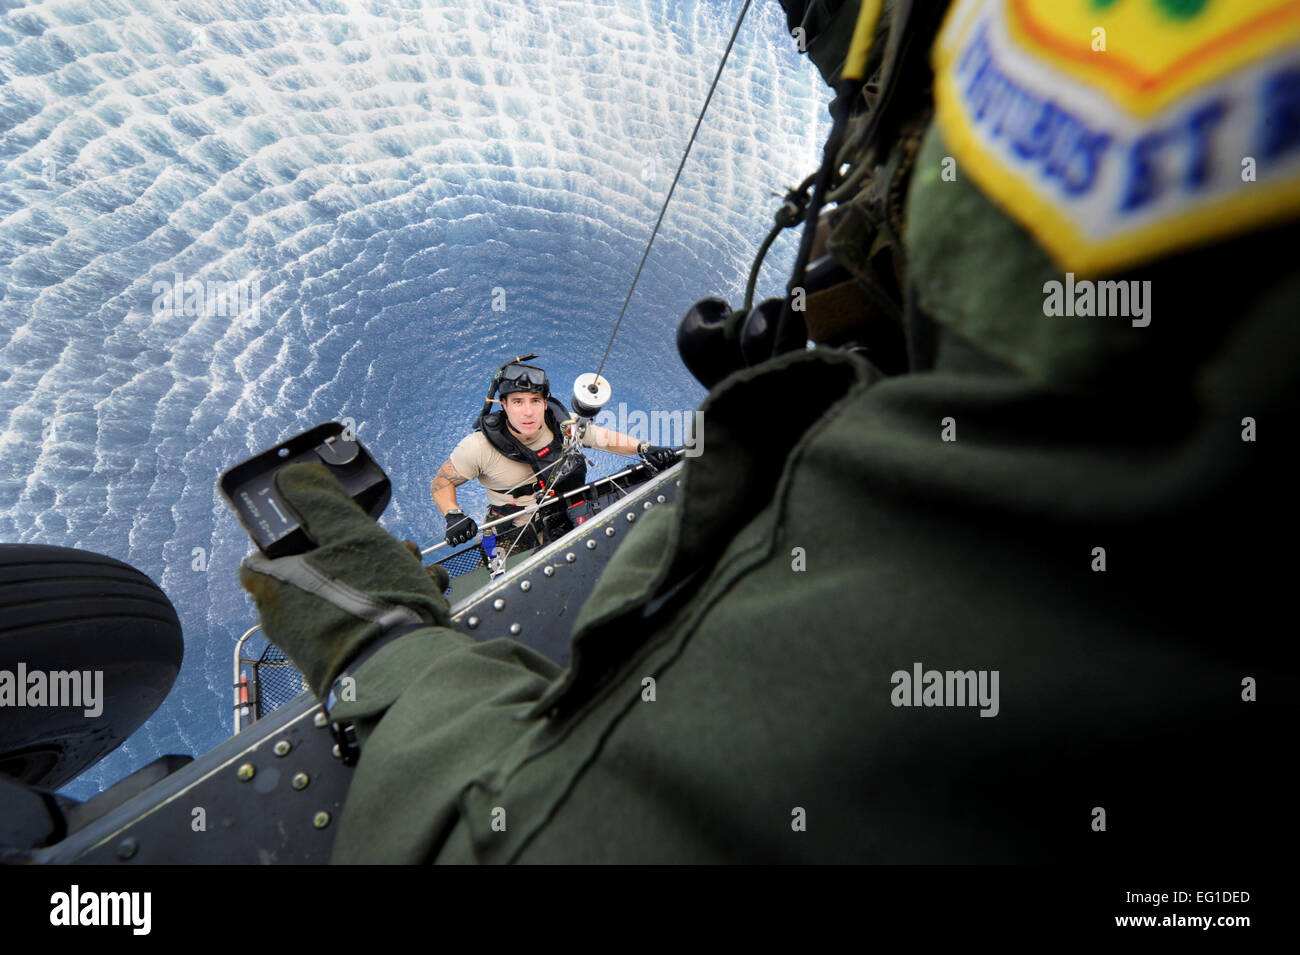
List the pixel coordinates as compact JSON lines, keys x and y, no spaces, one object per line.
{"x":590,"y":394}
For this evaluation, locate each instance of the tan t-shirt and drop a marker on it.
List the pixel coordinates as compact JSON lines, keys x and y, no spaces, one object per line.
{"x":476,"y":459}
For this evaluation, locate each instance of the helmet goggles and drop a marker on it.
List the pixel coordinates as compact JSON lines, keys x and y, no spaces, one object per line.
{"x":516,"y":377}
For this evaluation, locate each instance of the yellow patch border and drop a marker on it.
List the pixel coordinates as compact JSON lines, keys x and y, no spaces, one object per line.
{"x":1138,"y":102}
{"x":1070,"y":247}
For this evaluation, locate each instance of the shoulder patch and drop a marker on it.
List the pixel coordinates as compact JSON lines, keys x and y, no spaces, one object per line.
{"x":1118,"y":131}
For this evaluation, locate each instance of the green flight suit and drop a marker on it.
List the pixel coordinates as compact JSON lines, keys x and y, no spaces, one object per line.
{"x":1118,"y":689}
{"x":839,"y":533}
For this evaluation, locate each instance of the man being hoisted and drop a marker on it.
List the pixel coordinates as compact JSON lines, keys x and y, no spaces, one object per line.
{"x":514,"y":456}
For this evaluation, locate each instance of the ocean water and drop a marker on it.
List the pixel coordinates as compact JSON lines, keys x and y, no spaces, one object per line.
{"x":224,"y":222}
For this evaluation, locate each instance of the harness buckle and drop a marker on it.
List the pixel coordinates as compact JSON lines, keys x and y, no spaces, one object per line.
{"x":345,"y":738}
{"x":343,"y":731}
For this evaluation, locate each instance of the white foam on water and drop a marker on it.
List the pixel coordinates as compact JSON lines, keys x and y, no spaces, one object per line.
{"x":378,"y":172}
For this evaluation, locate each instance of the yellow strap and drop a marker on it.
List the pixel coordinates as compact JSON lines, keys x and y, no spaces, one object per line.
{"x":864,"y":32}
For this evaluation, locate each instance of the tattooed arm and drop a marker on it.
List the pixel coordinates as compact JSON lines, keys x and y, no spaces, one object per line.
{"x":444,"y":487}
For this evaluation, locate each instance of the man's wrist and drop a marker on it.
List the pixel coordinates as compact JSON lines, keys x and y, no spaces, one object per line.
{"x":454,"y":510}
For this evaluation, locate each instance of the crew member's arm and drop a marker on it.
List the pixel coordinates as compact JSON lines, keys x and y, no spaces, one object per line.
{"x":358,"y":587}
{"x":605,"y":440}
{"x":658,"y":458}
{"x":460,"y":527}
{"x":444,"y":487}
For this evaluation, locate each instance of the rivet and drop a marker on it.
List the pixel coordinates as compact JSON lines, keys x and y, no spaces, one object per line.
{"x":609,"y":532}
{"x":661,"y":499}
{"x":300,"y":781}
{"x":515,"y":628}
{"x":648,"y":504}
{"x":127,"y":847}
{"x":548,"y":571}
{"x":245,"y":772}
{"x":630,"y":517}
{"x":678,"y":482}
{"x":336,"y":752}
{"x":472,"y":623}
{"x":525,"y":585}
{"x":570,"y":557}
{"x":591,"y":545}
{"x":320,"y":719}
{"x":320,"y":820}
{"x":498,"y":604}
{"x":281,"y":748}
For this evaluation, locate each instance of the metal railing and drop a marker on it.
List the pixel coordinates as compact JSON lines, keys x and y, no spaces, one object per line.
{"x":249,"y":699}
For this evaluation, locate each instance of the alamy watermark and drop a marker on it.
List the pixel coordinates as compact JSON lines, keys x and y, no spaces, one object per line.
{"x":1085,"y":297}
{"x":75,"y":907}
{"x":84,"y":688}
{"x":946,"y":688}
{"x":666,"y":429}
{"x":199,"y":298}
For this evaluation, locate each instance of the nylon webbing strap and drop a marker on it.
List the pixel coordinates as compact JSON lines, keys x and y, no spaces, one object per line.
{"x":837,"y":313}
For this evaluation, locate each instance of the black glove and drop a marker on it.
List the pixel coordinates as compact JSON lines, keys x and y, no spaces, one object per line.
{"x":460,"y":528}
{"x":658,"y":458}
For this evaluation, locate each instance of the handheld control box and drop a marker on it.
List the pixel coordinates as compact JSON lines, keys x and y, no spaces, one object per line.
{"x":249,"y":487}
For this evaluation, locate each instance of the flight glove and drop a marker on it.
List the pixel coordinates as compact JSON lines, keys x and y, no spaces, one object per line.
{"x":358,"y":584}
{"x":658,"y":458}
{"x":460,"y":528}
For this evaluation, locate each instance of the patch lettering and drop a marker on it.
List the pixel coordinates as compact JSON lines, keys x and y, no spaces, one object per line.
{"x":1109,"y":165}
